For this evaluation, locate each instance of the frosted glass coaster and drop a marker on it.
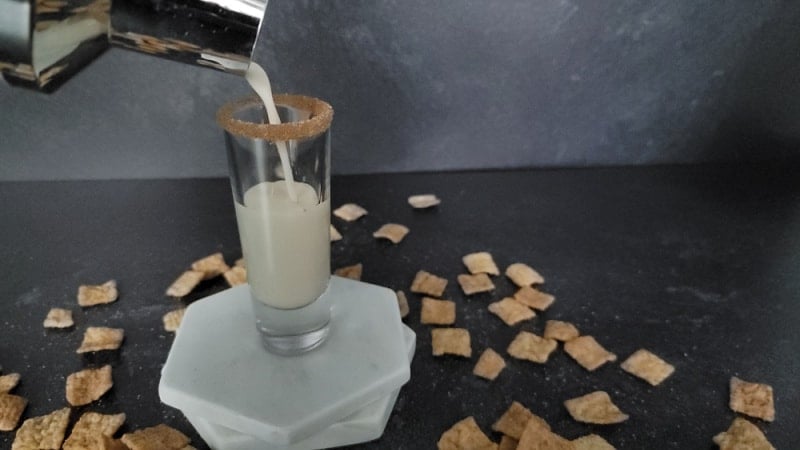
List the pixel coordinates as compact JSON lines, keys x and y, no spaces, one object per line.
{"x":218,"y":369}
{"x":364,"y":425}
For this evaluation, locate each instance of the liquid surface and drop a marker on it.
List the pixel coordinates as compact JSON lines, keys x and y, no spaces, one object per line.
{"x":285,"y":243}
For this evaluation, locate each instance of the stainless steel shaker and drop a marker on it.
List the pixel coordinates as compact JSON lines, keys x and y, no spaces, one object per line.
{"x":44,"y":42}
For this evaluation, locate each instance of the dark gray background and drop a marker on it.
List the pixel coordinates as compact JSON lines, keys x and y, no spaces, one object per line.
{"x":438,"y":85}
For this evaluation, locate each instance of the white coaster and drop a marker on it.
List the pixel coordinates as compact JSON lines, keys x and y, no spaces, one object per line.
{"x":362,"y":426}
{"x":217,"y":367}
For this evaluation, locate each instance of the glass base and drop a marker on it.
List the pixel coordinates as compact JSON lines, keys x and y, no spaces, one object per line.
{"x":293,"y":331}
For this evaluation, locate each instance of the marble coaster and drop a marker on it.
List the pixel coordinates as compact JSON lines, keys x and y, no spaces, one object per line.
{"x":365,"y":425}
{"x":218,"y":368}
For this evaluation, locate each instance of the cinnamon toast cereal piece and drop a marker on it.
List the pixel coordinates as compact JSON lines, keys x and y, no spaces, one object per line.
{"x":560,"y":331}
{"x":595,"y":407}
{"x":185,"y":283}
{"x":402,"y":303}
{"x":235,"y":276}
{"x":391,"y":231}
{"x":58,"y":318}
{"x":43,"y":432}
{"x":172,"y":320}
{"x":429,"y":284}
{"x":423,"y":201}
{"x":335,"y":235}
{"x":437,"y":312}
{"x":8,"y":382}
{"x":588,"y":353}
{"x":473,"y":284}
{"x":480,"y":262}
{"x":531,"y":347}
{"x":88,"y":385}
{"x":91,"y":429}
{"x":465,"y":435}
{"x":452,"y":341}
{"x":489,"y":365}
{"x":159,"y":437}
{"x":512,"y":422}
{"x":349,"y":212}
{"x":90,"y":295}
{"x":648,"y":367}
{"x":538,"y":437}
{"x":11,"y":408}
{"x":534,"y":298}
{"x":523,"y":275}
{"x":742,"y":435}
{"x":507,"y":443}
{"x":511,"y":311}
{"x":101,"y":338}
{"x":353,"y":272}
{"x":752,"y":399}
{"x":211,"y":266}
{"x":591,"y":442}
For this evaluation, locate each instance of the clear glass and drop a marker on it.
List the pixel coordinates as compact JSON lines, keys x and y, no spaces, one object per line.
{"x":284,"y":228}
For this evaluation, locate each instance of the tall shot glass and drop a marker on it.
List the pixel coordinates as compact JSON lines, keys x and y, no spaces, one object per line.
{"x":280,"y":178}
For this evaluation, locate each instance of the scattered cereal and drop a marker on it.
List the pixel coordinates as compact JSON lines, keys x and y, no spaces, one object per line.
{"x":523,"y":275}
{"x":349,"y":212}
{"x":428,"y":283}
{"x":752,"y":399}
{"x":88,"y":385}
{"x":43,"y":432}
{"x":465,"y":435}
{"x":335,"y":235}
{"x":402,"y":303}
{"x":591,"y":442}
{"x":353,"y":272}
{"x":11,"y":408}
{"x":480,"y":262}
{"x":90,"y":295}
{"x":235,"y":276}
{"x":534,"y":298}
{"x":648,"y":367}
{"x":172,"y":320}
{"x":91,"y":429}
{"x":595,"y":408}
{"x":453,"y":341}
{"x":512,"y":422}
{"x":391,"y":231}
{"x":437,"y":312}
{"x":489,"y":365}
{"x":211,"y":266}
{"x":531,"y":347}
{"x":511,"y":311}
{"x":101,"y":338}
{"x":560,"y":331}
{"x":159,"y":437}
{"x":185,"y":283}
{"x":423,"y":201}
{"x":58,"y":318}
{"x":588,"y":353}
{"x":473,"y":284}
{"x":8,"y":382}
{"x":742,"y":435}
{"x":538,"y":437}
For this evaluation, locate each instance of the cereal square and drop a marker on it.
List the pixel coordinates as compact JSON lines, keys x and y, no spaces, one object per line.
{"x":596,"y":408}
{"x":591,"y":442}
{"x":211,"y":266}
{"x":742,"y":435}
{"x":159,"y":437}
{"x":101,"y":338}
{"x":172,"y":320}
{"x":335,"y":235}
{"x":523,"y":275}
{"x":58,"y":318}
{"x":391,"y":231}
{"x":402,"y":303}
{"x":8,"y":382}
{"x":480,"y":262}
{"x":90,"y":295}
{"x":507,"y":443}
{"x":534,"y":298}
{"x":438,"y":312}
{"x":349,"y":212}
{"x":588,"y":353}
{"x":531,"y":347}
{"x":429,"y":284}
{"x":88,"y":385}
{"x":560,"y":331}
{"x":538,"y":437}
{"x":11,"y":408}
{"x":353,"y":272}
{"x":512,"y":422}
{"x":489,"y":365}
{"x":473,"y":284}
{"x":43,"y":432}
{"x":648,"y":367}
{"x":511,"y":311}
{"x":452,"y":341}
{"x":465,"y":435}
{"x":423,"y":201}
{"x":91,"y":429}
{"x":185,"y":283}
{"x":752,"y":399}
{"x":235,"y":276}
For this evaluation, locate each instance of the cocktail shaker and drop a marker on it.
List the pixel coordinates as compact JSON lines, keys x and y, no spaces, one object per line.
{"x":44,"y":42}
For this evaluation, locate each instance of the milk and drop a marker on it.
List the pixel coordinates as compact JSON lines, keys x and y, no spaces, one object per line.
{"x":286,"y":243}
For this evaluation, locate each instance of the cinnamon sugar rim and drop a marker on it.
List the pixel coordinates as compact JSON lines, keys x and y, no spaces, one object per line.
{"x":320,"y":120}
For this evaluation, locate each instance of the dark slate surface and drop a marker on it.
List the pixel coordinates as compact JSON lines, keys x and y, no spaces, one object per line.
{"x":698,"y":264}
{"x":425,"y":86}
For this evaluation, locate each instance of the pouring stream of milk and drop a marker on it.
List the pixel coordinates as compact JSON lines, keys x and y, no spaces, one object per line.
{"x":259,"y":81}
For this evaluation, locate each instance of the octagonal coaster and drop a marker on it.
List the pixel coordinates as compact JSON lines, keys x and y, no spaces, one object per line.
{"x":364,"y":425}
{"x":218,"y":368}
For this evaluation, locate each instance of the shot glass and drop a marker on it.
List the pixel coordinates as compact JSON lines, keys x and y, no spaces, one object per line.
{"x":280,"y":178}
